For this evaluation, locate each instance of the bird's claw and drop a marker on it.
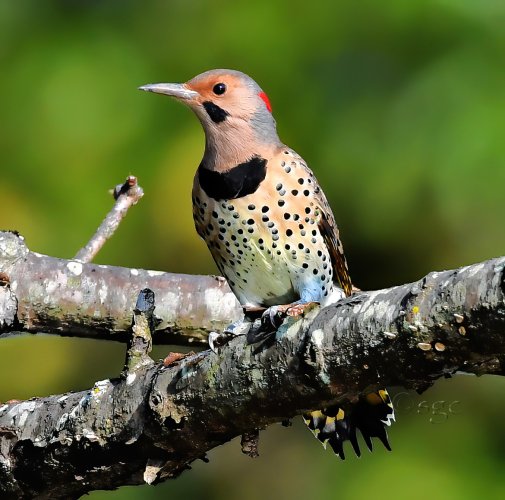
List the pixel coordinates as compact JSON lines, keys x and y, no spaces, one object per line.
{"x":260,"y":328}
{"x":273,"y":317}
{"x":277,"y":314}
{"x":264,"y":327}
{"x":217,"y":340}
{"x":238,"y":328}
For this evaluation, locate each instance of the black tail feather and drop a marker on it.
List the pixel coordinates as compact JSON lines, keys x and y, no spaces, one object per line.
{"x":370,"y":415}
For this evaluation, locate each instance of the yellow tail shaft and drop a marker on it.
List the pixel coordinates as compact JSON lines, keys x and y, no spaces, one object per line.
{"x":370,"y":415}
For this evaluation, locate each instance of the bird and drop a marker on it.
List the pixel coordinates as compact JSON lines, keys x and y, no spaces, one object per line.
{"x":269,"y":227}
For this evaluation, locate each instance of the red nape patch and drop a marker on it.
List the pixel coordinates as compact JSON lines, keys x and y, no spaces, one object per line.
{"x":266,"y":100}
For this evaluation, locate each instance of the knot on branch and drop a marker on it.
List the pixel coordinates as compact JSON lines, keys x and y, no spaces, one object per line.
{"x":249,"y":443}
{"x":12,"y":248}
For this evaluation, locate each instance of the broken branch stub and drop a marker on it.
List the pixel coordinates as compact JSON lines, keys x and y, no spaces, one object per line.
{"x":140,"y":343}
{"x":126,"y":195}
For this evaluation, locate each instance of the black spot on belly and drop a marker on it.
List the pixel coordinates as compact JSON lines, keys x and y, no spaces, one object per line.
{"x":216,"y":113}
{"x":239,"y":181}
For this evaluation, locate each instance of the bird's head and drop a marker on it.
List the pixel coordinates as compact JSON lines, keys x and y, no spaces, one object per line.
{"x":230,"y":105}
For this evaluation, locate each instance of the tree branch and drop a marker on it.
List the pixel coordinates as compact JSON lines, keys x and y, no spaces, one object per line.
{"x":126,"y":195}
{"x":151,"y":424}
{"x":68,"y":297}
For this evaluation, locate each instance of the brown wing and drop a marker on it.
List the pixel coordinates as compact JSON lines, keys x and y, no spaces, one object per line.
{"x":329,"y":231}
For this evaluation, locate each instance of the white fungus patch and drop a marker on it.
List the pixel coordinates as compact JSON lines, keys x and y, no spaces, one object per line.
{"x":23,"y":418}
{"x":153,"y":467}
{"x":134,"y":272}
{"x":75,"y":268}
{"x":61,"y":422}
{"x":169,"y":301}
{"x":473,"y":270}
{"x":155,"y":273}
{"x":131,"y":378}
{"x":497,"y":273}
{"x":325,"y":378}
{"x":219,"y":302}
{"x":75,"y":410}
{"x":317,"y":337}
{"x":27,"y":406}
{"x":424,"y":346}
{"x":100,"y":387}
{"x":51,"y":286}
{"x":90,"y":435}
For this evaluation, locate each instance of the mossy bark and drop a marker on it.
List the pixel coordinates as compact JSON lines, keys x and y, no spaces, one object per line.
{"x":153,"y":421}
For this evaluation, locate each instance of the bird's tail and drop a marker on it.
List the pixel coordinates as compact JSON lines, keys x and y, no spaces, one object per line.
{"x":370,"y":415}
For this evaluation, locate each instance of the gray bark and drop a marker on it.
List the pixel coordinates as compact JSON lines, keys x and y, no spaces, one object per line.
{"x":153,"y":421}
{"x":68,"y":297}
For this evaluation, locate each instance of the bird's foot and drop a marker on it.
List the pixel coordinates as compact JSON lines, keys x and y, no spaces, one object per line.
{"x":276,"y":313}
{"x":272,"y":319}
{"x":217,"y":340}
{"x":296,"y":309}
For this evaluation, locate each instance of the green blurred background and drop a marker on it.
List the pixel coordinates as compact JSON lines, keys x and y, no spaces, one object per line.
{"x":399,"y":108}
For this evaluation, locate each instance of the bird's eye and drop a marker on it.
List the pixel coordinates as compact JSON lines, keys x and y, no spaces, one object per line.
{"x":219,"y":88}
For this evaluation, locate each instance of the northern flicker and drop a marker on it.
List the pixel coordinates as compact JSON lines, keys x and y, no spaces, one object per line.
{"x":269,"y":227}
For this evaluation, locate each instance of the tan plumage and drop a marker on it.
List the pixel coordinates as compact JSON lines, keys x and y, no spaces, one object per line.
{"x":286,"y":226}
{"x":268,"y":225}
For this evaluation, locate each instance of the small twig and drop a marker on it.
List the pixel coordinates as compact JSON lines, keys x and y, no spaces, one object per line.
{"x":141,"y":343}
{"x":126,"y":195}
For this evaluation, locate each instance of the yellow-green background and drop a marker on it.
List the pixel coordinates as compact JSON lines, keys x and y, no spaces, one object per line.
{"x":398,"y":106}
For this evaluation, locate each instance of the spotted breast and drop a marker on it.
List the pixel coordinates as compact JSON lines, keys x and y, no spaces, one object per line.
{"x":270,"y":244}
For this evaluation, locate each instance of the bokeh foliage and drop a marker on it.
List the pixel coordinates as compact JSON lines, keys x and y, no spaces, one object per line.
{"x":398,"y":106}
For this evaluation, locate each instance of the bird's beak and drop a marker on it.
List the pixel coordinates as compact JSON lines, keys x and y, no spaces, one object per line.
{"x":177,"y":90}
